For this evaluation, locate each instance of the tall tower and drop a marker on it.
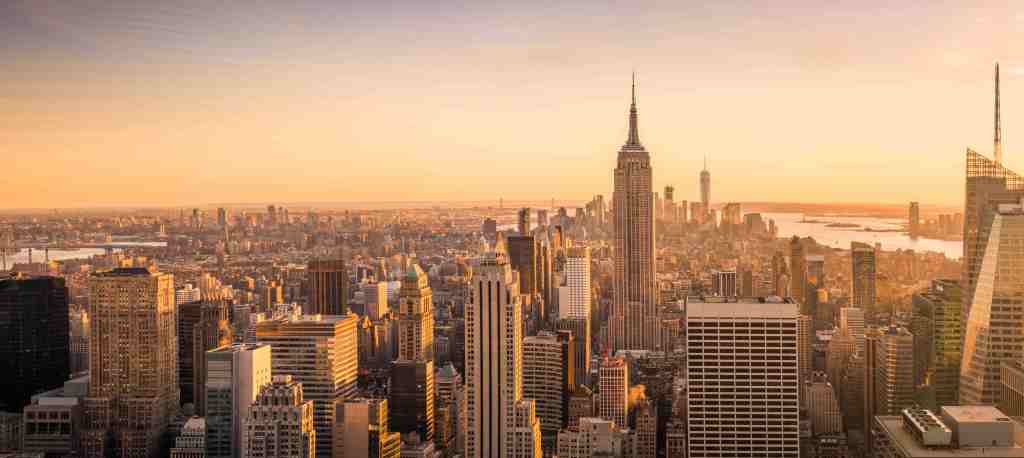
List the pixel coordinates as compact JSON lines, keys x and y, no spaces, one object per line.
{"x":494,"y":365}
{"x":133,"y":359}
{"x":523,"y":221}
{"x":328,"y":285}
{"x":863,"y":257}
{"x":997,"y":150}
{"x":705,"y":188}
{"x":34,"y":338}
{"x":634,"y":318}
{"x":412,"y":375}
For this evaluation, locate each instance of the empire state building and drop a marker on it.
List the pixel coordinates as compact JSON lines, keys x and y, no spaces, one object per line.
{"x":634,"y":318}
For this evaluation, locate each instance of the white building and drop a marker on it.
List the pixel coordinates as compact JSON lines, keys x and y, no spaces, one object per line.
{"x":494,"y":362}
{"x":187,"y":294}
{"x":594,"y":437}
{"x":574,"y":297}
{"x":234,"y":376}
{"x":280,"y":423}
{"x":742,"y":379}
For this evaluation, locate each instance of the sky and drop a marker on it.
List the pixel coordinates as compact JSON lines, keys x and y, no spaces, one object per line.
{"x":125,"y":103}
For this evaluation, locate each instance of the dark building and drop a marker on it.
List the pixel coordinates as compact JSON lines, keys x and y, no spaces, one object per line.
{"x":34,"y":338}
{"x":328,"y":287}
{"x":411,"y":399}
{"x":202,"y":326}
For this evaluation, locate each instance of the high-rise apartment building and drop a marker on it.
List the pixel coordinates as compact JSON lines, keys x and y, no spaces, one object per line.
{"x":494,"y":362}
{"x":996,"y":313}
{"x":634,"y":322}
{"x":133,"y":375}
{"x":363,"y":427}
{"x":613,"y":391}
{"x":34,"y":338}
{"x":328,"y":287}
{"x":863,"y":258}
{"x":280,"y":422}
{"x":730,"y":342}
{"x":318,"y":351}
{"x":235,"y":374}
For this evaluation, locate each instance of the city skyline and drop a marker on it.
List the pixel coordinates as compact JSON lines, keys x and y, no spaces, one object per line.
{"x":288,"y":105}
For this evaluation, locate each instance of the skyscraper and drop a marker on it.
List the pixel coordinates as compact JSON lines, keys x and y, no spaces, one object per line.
{"x":914,"y":219}
{"x":133,"y":375}
{"x":937,"y":314}
{"x":34,"y":338}
{"x":280,"y":422}
{"x":412,"y":375}
{"x":613,"y":391}
{"x":494,"y":362}
{"x":235,"y":376}
{"x":728,"y":343}
{"x":523,"y":221}
{"x":797,"y":271}
{"x":524,"y":256}
{"x":705,"y":190}
{"x":546,"y":377}
{"x":996,"y":314}
{"x":634,"y":318}
{"x":202,"y":326}
{"x":851,"y":320}
{"x":364,"y":430}
{"x":997,"y":147}
{"x":894,"y":371}
{"x":863,"y":258}
{"x":318,"y":351}
{"x":328,"y":287}
{"x":574,"y":298}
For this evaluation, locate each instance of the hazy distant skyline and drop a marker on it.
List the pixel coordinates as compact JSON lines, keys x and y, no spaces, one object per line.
{"x":188,"y":102}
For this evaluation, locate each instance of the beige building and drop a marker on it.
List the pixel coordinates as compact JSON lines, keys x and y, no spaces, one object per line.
{"x":953,"y":432}
{"x":894,"y":371}
{"x":634,"y":322}
{"x":133,"y":385}
{"x":613,"y":391}
{"x":1011,"y":388}
{"x":363,"y":430}
{"x":595,"y":437}
{"x":412,"y":374}
{"x":822,"y":405}
{"x":496,"y":420}
{"x":544,"y":380}
{"x":318,"y":351}
{"x":191,"y":443}
{"x":280,"y":423}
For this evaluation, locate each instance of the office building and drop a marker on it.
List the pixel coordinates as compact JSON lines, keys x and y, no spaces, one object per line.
{"x":724,"y":284}
{"x":580,"y":330}
{"x":280,"y":422}
{"x":416,"y":317}
{"x":34,"y":338}
{"x":363,"y":429}
{"x":634,"y":323}
{"x":797,"y":271}
{"x":955,"y":432}
{"x":1011,"y":388}
{"x":191,"y":443}
{"x":595,"y":437}
{"x":575,"y":296}
{"x":328,"y":287}
{"x":996,"y":313}
{"x":235,"y":375}
{"x":187,"y":294}
{"x":613,"y":391}
{"x":727,"y":342}
{"x":804,"y":336}
{"x":822,"y":406}
{"x":494,"y":363}
{"x":547,"y":375}
{"x":524,"y":256}
{"x":53,"y":422}
{"x":202,"y":326}
{"x":133,"y":391}
{"x":936,"y":320}
{"x":705,"y":190}
{"x":79,"y":339}
{"x":863,"y":258}
{"x":581,"y":405}
{"x":645,"y":433}
{"x":412,"y":374}
{"x":318,"y":351}
{"x":851,"y":320}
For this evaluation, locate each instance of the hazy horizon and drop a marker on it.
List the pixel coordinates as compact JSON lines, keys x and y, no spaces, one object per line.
{"x":118,"y":104}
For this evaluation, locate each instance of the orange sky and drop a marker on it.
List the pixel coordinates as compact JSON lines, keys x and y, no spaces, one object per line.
{"x":109,"y":103}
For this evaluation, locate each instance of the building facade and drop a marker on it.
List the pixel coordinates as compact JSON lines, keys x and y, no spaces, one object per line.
{"x":280,"y":423}
{"x":34,"y":338}
{"x":235,"y":376}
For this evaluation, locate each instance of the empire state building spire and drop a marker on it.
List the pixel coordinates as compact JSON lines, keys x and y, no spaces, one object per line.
{"x":997,"y":150}
{"x":634,"y":134}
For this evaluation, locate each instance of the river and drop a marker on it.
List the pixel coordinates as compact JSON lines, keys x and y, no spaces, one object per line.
{"x":38,"y":255}
{"x":790,"y":224}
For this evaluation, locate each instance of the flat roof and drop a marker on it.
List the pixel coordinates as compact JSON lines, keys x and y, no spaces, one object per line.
{"x":905,"y":442}
{"x":968,"y":414}
{"x":743,"y":309}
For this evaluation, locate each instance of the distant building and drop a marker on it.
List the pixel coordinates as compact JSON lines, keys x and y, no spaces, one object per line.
{"x":329,"y":287}
{"x":595,"y":437}
{"x":797,"y":271}
{"x":724,"y":284}
{"x":914,"y":219}
{"x":864,"y":268}
{"x":823,"y":406}
{"x":936,"y":326}
{"x":412,"y":374}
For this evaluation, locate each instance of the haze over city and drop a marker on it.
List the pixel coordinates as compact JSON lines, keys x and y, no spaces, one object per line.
{"x":112,"y":103}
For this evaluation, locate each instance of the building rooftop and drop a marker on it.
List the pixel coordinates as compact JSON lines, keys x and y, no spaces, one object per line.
{"x":975,"y":414}
{"x":126,"y":272}
{"x":907,"y":445}
{"x":742,"y":308}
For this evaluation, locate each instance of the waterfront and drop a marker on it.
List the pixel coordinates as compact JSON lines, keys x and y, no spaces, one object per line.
{"x":38,"y":255}
{"x":790,"y":224}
